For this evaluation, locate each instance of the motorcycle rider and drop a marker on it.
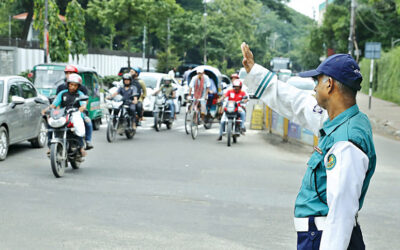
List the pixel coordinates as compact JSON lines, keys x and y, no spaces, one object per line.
{"x":141,"y":87}
{"x":66,"y":98}
{"x":201,"y":86}
{"x":70,"y":69}
{"x":129,"y":95}
{"x":236,"y":94}
{"x":168,"y":90}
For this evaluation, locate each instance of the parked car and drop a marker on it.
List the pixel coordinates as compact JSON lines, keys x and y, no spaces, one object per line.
{"x":47,"y":77}
{"x":153,"y":82}
{"x":20,"y":114}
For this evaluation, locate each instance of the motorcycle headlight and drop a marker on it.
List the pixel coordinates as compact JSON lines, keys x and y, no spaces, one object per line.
{"x":56,"y":123}
{"x":230,"y":108}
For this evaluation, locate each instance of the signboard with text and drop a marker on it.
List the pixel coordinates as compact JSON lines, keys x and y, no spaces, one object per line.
{"x":373,"y":50}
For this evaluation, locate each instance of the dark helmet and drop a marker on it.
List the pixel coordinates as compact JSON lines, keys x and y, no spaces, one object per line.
{"x":126,"y":76}
{"x":137,"y":70}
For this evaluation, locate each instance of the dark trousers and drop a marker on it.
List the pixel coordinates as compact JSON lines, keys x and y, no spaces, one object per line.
{"x":139,"y":109}
{"x":310,"y":240}
{"x":132,"y":112}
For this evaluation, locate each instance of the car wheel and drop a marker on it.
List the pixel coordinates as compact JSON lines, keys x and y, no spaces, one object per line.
{"x":40,"y":140}
{"x":4,"y":143}
{"x":96,"y":124}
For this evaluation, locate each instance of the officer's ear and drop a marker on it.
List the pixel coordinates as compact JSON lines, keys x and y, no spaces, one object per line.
{"x":330,"y":84}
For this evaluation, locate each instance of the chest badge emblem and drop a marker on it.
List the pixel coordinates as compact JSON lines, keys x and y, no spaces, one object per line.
{"x":331,"y":162}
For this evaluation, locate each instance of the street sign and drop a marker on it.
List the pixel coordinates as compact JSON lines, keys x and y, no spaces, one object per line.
{"x":373,"y":50}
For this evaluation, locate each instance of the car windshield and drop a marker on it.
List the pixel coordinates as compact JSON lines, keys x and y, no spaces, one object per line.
{"x":151,"y":81}
{"x":1,"y":90}
{"x":48,"y":78}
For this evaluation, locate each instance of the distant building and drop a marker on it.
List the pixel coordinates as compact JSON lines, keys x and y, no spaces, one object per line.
{"x":322,"y":9}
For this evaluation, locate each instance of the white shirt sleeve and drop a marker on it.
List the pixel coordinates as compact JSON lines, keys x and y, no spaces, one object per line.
{"x":345,"y":177}
{"x":295,"y":104}
{"x":207,"y":81}
{"x":194,"y":79}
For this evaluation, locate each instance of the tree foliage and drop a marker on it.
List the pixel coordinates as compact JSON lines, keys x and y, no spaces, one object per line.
{"x":58,"y":42}
{"x":75,"y":17}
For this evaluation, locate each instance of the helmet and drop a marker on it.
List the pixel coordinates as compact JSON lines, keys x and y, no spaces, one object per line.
{"x":126,"y":76}
{"x":235,"y":75}
{"x":237,"y":83}
{"x":75,"y":78}
{"x":70,"y":68}
{"x":167,"y":78}
{"x":137,"y":70}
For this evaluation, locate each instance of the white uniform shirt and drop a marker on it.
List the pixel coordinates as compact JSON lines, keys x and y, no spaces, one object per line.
{"x":345,"y":180}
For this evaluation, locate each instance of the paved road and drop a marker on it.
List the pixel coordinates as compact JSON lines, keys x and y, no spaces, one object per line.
{"x":165,"y":191}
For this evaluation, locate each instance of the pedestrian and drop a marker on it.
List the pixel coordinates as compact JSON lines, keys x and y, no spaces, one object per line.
{"x":172,"y":73}
{"x":186,"y":75}
{"x":340,"y":168}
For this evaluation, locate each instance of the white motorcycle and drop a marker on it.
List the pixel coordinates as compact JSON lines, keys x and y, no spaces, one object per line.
{"x":67,"y":128}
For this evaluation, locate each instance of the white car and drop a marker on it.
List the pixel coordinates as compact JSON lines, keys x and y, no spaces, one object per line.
{"x":303,"y":83}
{"x":153,"y":83}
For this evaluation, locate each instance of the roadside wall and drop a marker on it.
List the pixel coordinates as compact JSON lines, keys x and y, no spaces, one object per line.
{"x":289,"y":130}
{"x":14,"y":60}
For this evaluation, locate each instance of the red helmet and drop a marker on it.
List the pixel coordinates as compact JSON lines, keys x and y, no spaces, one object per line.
{"x":235,"y":75}
{"x":71,"y":68}
{"x":237,"y":83}
{"x":75,"y":78}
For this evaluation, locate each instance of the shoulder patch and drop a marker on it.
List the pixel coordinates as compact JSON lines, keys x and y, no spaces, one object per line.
{"x":331,"y":162}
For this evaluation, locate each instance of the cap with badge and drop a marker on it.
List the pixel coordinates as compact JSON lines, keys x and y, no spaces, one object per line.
{"x":341,"y":67}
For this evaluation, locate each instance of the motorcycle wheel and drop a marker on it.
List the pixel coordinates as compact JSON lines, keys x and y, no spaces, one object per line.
{"x":169,"y":125}
{"x":111,"y":132}
{"x":229,"y":133}
{"x":157,"y":124}
{"x":234,"y":138}
{"x":57,"y":163}
{"x":75,"y":164}
{"x":129,"y":134}
{"x":208,"y":122}
{"x":194,"y":125}
{"x":187,"y":122}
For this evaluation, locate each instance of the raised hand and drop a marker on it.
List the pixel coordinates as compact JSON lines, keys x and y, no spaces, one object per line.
{"x":248,"y":58}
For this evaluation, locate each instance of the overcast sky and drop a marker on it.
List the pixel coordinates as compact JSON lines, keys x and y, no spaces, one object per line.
{"x":306,"y":6}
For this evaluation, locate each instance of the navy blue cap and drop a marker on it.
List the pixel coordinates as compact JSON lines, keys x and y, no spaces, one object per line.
{"x":341,"y":67}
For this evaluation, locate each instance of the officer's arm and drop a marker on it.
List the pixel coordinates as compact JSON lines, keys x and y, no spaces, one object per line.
{"x":346,"y":167}
{"x":295,"y":104}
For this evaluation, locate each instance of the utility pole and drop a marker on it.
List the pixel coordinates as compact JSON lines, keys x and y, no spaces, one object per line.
{"x":352,"y":26}
{"x":9,"y":30}
{"x":45,"y":45}
{"x":168,"y":37}
{"x":205,"y":32}
{"x":144,"y":47}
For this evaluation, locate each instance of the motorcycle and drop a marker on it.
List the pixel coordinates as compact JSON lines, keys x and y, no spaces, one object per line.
{"x":162,"y":112}
{"x":67,"y":128}
{"x":119,"y":120}
{"x":232,"y":121}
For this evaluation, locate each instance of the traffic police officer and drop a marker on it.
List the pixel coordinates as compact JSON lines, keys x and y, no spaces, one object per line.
{"x":340,"y":168}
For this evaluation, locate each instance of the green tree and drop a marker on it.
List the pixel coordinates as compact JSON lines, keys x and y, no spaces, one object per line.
{"x":58,"y":42}
{"x":75,"y":17}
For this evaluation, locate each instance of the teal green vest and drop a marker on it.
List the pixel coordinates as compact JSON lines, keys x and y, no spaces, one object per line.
{"x":351,"y":125}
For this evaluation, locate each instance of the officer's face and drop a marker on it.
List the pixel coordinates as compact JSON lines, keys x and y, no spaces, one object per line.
{"x":322,"y":90}
{"x":73,"y":87}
